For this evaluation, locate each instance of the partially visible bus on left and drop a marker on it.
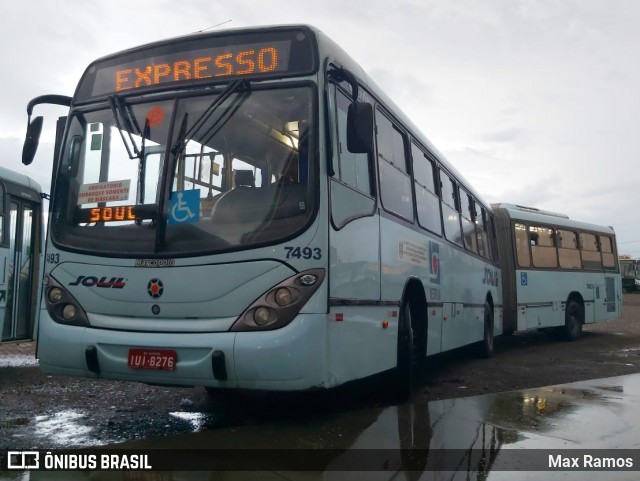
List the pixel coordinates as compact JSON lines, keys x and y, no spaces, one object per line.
{"x":21,"y":254}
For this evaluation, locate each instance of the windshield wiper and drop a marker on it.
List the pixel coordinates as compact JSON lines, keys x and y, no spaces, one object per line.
{"x":142,"y":165}
{"x":235,"y":86}
{"x":121,"y":112}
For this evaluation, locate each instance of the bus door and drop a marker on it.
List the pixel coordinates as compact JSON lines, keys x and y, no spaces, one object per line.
{"x":17,"y":286}
{"x":606,"y":299}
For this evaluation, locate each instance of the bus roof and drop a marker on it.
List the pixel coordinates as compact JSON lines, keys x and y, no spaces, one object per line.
{"x":531,"y":214}
{"x":19,"y":179}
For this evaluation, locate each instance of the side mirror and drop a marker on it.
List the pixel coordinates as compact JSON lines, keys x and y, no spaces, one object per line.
{"x":360,"y":128}
{"x":31,"y":140}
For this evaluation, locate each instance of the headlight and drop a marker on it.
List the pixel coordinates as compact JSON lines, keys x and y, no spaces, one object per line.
{"x":69,"y":312}
{"x":279,"y":305}
{"x":261,"y":316}
{"x":55,"y":295}
{"x":283,"y":296}
{"x":62,"y":306}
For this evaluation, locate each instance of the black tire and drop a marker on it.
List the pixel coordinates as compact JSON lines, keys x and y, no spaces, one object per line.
{"x":486,"y":347}
{"x":403,"y":379}
{"x":573,"y":320}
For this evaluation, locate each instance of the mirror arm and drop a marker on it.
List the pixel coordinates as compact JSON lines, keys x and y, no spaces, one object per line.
{"x":341,"y":74}
{"x":63,"y":100}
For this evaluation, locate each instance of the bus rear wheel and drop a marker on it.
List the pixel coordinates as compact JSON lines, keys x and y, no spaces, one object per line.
{"x":573,"y":320}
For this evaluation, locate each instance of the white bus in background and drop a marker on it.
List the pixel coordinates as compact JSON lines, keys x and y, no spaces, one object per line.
{"x":630,"y":271}
{"x":21,"y":237}
{"x":556,"y":272}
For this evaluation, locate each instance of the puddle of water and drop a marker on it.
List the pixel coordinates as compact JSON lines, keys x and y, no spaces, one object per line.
{"x":198,"y":421}
{"x":64,"y":428}
{"x":18,"y":360}
{"x":630,"y":352}
{"x":465,"y":436}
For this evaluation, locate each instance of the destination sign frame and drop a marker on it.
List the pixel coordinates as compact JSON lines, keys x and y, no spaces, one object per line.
{"x":201,"y":59}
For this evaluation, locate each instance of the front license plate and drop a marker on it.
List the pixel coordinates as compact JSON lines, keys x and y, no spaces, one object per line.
{"x":164,"y":359}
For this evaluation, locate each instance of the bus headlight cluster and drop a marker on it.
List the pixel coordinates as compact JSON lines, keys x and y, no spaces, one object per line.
{"x":280,"y":304}
{"x":62,"y":306}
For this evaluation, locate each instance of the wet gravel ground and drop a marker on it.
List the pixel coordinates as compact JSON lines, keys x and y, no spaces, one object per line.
{"x":43,"y":411}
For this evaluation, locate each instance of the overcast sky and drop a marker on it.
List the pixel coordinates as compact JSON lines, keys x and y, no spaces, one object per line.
{"x":536,"y":102}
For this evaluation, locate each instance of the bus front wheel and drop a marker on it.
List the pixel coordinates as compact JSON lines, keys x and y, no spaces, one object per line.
{"x":403,"y":377}
{"x":573,"y":321}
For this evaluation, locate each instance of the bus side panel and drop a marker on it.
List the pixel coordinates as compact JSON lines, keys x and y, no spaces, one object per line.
{"x":542,"y":297}
{"x":359,"y":344}
{"x":354,"y":269}
{"x":453,"y":279}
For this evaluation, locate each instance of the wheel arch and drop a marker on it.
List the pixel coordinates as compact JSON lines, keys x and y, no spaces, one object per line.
{"x":414,"y":293}
{"x":575,"y":296}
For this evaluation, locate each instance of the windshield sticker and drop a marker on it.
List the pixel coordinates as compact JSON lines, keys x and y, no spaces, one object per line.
{"x":110,"y":191}
{"x":184,"y":207}
{"x":155,"y":116}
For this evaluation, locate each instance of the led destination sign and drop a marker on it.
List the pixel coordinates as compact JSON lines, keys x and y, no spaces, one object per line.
{"x":257,"y":54}
{"x":114,"y":214}
{"x":200,"y":65}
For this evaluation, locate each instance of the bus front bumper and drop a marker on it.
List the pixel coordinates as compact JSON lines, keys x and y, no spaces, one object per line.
{"x":288,"y":359}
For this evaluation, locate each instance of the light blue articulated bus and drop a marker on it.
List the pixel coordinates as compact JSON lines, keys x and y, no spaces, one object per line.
{"x":557,"y":272}
{"x":246,"y":209}
{"x":21,"y":240}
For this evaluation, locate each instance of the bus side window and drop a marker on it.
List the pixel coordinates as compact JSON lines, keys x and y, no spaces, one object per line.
{"x":608,"y":256}
{"x":427,"y":201}
{"x":591,"y":259}
{"x":543,"y":247}
{"x":450,"y":212}
{"x":395,"y":183}
{"x":352,"y":169}
{"x":468,"y":222}
{"x":482,"y":229}
{"x":522,"y":245}
{"x":568,"y":252}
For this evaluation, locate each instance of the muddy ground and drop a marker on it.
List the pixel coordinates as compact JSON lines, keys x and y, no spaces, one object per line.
{"x":44,"y":411}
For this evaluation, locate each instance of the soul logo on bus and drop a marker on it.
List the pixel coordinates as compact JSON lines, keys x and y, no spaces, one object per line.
{"x":104,"y":282}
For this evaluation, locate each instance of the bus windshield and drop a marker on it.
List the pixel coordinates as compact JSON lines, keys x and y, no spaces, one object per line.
{"x":186,"y":176}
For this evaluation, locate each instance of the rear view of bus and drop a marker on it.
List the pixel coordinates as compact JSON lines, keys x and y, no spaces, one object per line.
{"x":185,"y":246}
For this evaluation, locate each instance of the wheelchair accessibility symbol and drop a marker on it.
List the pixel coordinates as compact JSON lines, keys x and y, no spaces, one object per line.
{"x":184,"y":207}
{"x":524,"y":279}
